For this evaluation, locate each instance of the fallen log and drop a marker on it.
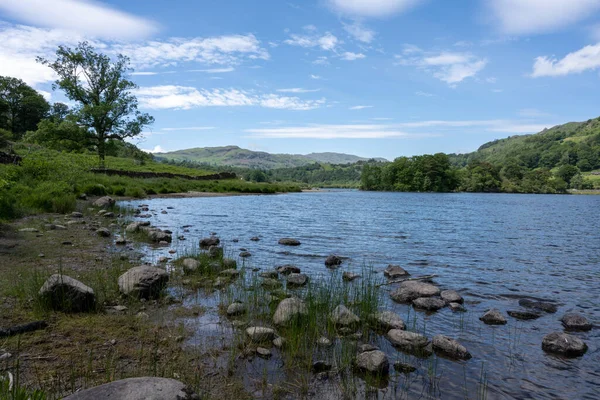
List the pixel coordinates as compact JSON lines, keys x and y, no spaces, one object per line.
{"x":19,"y":329}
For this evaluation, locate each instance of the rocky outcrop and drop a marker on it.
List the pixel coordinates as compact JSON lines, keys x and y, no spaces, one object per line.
{"x":104,"y":202}
{"x":411,"y":290}
{"x":451,"y":296}
{"x":296,"y":280}
{"x":289,"y":242}
{"x":450,"y":348}
{"x":137,"y":389}
{"x":395,"y":272}
{"x":385,"y":321}
{"x":333,"y":261}
{"x":63,"y":293}
{"x":288,"y":311}
{"x":143,"y":282}
{"x":341,"y":316}
{"x":429,"y":303}
{"x":564,"y":344}
{"x":575,"y":322}
{"x":373,"y":362}
{"x":493,"y":317}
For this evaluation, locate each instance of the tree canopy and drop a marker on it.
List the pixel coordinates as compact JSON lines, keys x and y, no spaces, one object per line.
{"x":21,"y":106}
{"x":99,"y":86}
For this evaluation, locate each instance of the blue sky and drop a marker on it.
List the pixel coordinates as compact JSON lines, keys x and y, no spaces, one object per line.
{"x":376,"y":78}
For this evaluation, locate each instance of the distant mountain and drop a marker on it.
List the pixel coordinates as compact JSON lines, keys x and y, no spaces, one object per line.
{"x":237,"y":157}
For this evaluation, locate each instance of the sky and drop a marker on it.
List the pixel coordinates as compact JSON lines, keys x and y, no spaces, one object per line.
{"x":375,"y":78}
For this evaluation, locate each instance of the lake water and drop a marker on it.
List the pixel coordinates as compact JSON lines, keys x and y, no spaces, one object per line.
{"x":492,"y":248}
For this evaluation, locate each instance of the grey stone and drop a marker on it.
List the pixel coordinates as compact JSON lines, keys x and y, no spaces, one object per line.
{"x":374,"y":362}
{"x":262,"y":352}
{"x":245,"y":254}
{"x":411,"y":290}
{"x":333,"y":261}
{"x":539,"y":305}
{"x":133,"y":227}
{"x":209,"y":241}
{"x":395,"y":272}
{"x":229,"y":263}
{"x":342,"y":316}
{"x":403,"y":367}
{"x":103,"y":232}
{"x":349,"y":276}
{"x":288,"y":311}
{"x":64,"y":293}
{"x":289,"y":242}
{"x":60,"y":227}
{"x":386,"y":320}
{"x":295,"y":280}
{"x":523,"y":315}
{"x":575,"y":322}
{"x":146,"y":388}
{"x":429,"y":303}
{"x":76,"y":214}
{"x":190,"y":265}
{"x":270,"y":284}
{"x":451,"y":296}
{"x":157,"y":235}
{"x":272,"y":274}
{"x":215,"y":252}
{"x":31,"y":229}
{"x":456,"y":307}
{"x":279,"y":342}
{"x":324,"y":342}
{"x":144,"y":282}
{"x":288,"y":269}
{"x":450,"y":348}
{"x":109,"y":215}
{"x":230,"y":273}
{"x":255,"y":238}
{"x":564,"y":344}
{"x":260,"y":334}
{"x":366,"y":347}
{"x":406,"y":339}
{"x":236,"y":308}
{"x":104,"y":202}
{"x":493,"y":317}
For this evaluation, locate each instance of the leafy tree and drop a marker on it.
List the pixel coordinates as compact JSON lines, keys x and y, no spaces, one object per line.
{"x":566,"y":172}
{"x":106,"y":104}
{"x":59,"y":112}
{"x":61,"y":135}
{"x":21,"y":106}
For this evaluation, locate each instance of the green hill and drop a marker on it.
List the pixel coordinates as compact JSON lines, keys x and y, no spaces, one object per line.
{"x":237,"y":157}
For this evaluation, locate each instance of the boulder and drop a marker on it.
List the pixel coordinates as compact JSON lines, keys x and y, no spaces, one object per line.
{"x":76,"y":214}
{"x":289,"y":242}
{"x":209,"y":241}
{"x":157,"y":235}
{"x":255,"y":238}
{"x":63,"y":293}
{"x":406,"y":339}
{"x":333,"y":261}
{"x":260,"y":334}
{"x":144,"y":282}
{"x":229,"y":263}
{"x":103,"y":232}
{"x":271,"y":284}
{"x":385,"y":321}
{"x":245,"y":254}
{"x":451,"y":296}
{"x":289,"y":310}
{"x":429,"y":303}
{"x":411,"y":290}
{"x":269,"y":274}
{"x":395,"y":272}
{"x":263,"y":352}
{"x":349,"y":276}
{"x":287,"y":269}
{"x":493,"y":317}
{"x":190,"y":265}
{"x":403,"y":367}
{"x":279,"y":342}
{"x":575,"y":322}
{"x":523,"y":315}
{"x":104,"y":202}
{"x":564,"y":344}
{"x":539,"y":305}
{"x":373,"y":362}
{"x":341,"y":316}
{"x":296,"y":280}
{"x":236,"y":308}
{"x":450,"y":348}
{"x":133,"y":227}
{"x":138,"y":389}
{"x":456,"y":307}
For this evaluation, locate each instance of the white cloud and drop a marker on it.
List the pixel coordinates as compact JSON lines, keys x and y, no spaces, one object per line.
{"x":359,"y":107}
{"x":144,"y":73}
{"x":522,"y":17}
{"x":316,"y":77}
{"x":47,"y":95}
{"x":424,"y":94}
{"x":157,"y":149}
{"x":372,"y":8}
{"x":297,"y":90}
{"x":587,"y":58}
{"x":349,"y":56}
{"x":449,"y":67}
{"x":214,"y":70}
{"x":317,"y":131}
{"x":183,"y":97}
{"x":84,"y":17}
{"x":189,"y":128}
{"x":321,"y":61}
{"x":325,"y":42}
{"x":359,"y":32}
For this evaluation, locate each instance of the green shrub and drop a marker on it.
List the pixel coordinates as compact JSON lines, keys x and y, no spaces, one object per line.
{"x":95,"y":189}
{"x":118,"y":190}
{"x":136,"y":192}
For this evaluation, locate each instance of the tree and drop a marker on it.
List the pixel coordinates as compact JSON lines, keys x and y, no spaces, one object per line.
{"x":21,"y":106}
{"x":106,"y":104}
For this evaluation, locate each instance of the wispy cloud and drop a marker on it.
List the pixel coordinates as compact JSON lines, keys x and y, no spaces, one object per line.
{"x":183,"y":97}
{"x":349,"y":56}
{"x":189,"y":128}
{"x":317,"y":131}
{"x":298,"y":90}
{"x":326,"y":42}
{"x":84,"y":17}
{"x":587,"y":58}
{"x":144,"y":73}
{"x":156,"y":149}
{"x":359,"y":107}
{"x":359,"y":32}
{"x":316,"y":77}
{"x":424,"y":94}
{"x":371,"y":8}
{"x":214,"y":70}
{"x":533,"y":113}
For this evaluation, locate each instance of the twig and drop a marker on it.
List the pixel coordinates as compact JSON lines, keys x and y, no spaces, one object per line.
{"x":419,"y":278}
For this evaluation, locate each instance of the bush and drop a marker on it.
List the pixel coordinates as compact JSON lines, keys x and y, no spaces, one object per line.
{"x":51,"y":197}
{"x":96,"y":189}
{"x":136,"y":192}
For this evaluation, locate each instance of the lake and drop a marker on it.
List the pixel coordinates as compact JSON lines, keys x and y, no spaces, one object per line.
{"x":492,"y":248}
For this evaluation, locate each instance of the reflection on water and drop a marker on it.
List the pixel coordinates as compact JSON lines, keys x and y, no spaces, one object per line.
{"x":493,"y":249}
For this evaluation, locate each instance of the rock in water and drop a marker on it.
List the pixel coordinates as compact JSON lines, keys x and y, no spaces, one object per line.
{"x":450,"y":348}
{"x":406,"y":339}
{"x":374,"y":362}
{"x":564,"y":344}
{"x":575,"y":322}
{"x":296,"y":280}
{"x":209,"y":241}
{"x":523,"y":315}
{"x":342,"y":316}
{"x":539,"y":305}
{"x":288,"y":269}
{"x":451,"y":296}
{"x":273,"y":274}
{"x":144,"y":282}
{"x":64,"y":293}
{"x":271,"y":284}
{"x":236,"y":308}
{"x":289,"y":242}
{"x":288,"y":311}
{"x":260,"y":334}
{"x":333,"y":261}
{"x":349,"y":276}
{"x":493,"y":317}
{"x":104,"y":202}
{"x":411,"y":290}
{"x":395,"y":272}
{"x":215,"y":252}
{"x":429,"y":303}
{"x":245,"y":254}
{"x":138,"y":389}
{"x":386,"y":320}
{"x":404,"y":368}
{"x":190,"y":265}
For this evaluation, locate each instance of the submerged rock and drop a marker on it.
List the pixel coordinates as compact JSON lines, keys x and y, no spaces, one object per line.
{"x":539,"y":305}
{"x":395,"y":272}
{"x":411,"y":290}
{"x":406,"y":339}
{"x":450,"y":348}
{"x":456,"y":307}
{"x":386,"y":320}
{"x":288,"y":269}
{"x":295,"y":280}
{"x":493,"y":317}
{"x":255,"y":238}
{"x":63,"y":293}
{"x":137,"y":389}
{"x":403,"y":367}
{"x":342,"y":316}
{"x":575,"y":322}
{"x":144,"y":282}
{"x":289,"y":242}
{"x":333,"y":261}
{"x":236,"y":308}
{"x":289,"y":311}
{"x":374,"y":362}
{"x":451,"y":296}
{"x":245,"y":254}
{"x":429,"y":303}
{"x":523,"y":315}
{"x":564,"y":344}
{"x":349,"y":276}
{"x":260,"y":334}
